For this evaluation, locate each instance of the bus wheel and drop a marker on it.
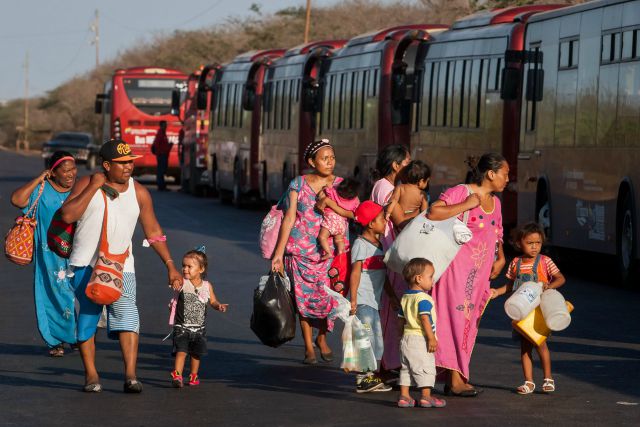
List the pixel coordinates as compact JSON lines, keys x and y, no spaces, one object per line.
{"x":184,"y":182}
{"x":91,"y":162}
{"x":543,"y":211}
{"x":237,"y":188}
{"x":626,"y":243}
{"x":194,"y":182}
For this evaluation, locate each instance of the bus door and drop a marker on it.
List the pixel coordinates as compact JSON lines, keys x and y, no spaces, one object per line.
{"x":310,"y":108}
{"x":403,"y":82}
{"x":532,"y":190}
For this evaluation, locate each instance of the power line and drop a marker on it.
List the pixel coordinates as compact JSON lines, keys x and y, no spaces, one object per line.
{"x":37,"y":35}
{"x":199,"y":14}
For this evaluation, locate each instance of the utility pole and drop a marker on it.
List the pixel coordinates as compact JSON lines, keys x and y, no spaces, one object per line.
{"x":25,"y":130}
{"x":307,"y":24}
{"x":95,"y":27}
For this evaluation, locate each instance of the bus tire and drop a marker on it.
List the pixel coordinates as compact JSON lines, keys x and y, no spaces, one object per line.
{"x":543,"y":209}
{"x":194,"y":182}
{"x":184,"y":182}
{"x":626,"y":242}
{"x":236,"y":192}
{"x":91,"y":162}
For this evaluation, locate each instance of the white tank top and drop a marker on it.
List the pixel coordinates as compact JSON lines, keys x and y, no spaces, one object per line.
{"x":121,"y":223}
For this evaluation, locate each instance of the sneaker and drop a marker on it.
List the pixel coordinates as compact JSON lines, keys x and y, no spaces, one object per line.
{"x":176,"y":379}
{"x":370,"y":383}
{"x":194,"y":379}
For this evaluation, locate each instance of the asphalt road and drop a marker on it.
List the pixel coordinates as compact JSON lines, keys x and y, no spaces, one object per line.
{"x":596,"y":361}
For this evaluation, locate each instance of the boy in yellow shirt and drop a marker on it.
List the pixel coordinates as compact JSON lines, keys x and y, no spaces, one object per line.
{"x":419,"y":336}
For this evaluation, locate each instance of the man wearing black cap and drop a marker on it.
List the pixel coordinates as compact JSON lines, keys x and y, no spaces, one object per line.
{"x":127,"y":203}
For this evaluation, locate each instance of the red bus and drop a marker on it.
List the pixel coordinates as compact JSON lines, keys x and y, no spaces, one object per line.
{"x":579,"y":158}
{"x":367,"y":91}
{"x":234,"y":131}
{"x":195,"y":98}
{"x":469,"y":97}
{"x":134,"y":102}
{"x":290,"y":108}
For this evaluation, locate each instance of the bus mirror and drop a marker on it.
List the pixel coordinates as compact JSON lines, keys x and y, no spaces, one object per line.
{"x":249,"y":96}
{"x":201,"y":100}
{"x":535,"y":80}
{"x":175,"y":102}
{"x":510,"y":83}
{"x":98,"y":104}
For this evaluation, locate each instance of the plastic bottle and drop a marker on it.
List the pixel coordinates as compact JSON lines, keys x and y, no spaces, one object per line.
{"x":554,"y":309}
{"x":523,"y":300}
{"x":363,"y":347}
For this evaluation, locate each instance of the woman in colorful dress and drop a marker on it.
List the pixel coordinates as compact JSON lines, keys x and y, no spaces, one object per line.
{"x":298,"y":252}
{"x":391,"y":160}
{"x":463,"y":291}
{"x":53,"y":294}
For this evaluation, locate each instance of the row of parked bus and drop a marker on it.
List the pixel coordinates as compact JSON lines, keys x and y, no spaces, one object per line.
{"x":555,"y":89}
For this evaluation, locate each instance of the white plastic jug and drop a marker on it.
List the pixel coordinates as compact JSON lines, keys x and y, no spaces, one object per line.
{"x":554,"y":310}
{"x":523,"y":300}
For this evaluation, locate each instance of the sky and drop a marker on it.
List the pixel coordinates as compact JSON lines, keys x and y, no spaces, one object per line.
{"x":57,"y":35}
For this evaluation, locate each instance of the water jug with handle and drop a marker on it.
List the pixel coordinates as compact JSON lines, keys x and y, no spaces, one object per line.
{"x":524,"y":299}
{"x":554,"y":310}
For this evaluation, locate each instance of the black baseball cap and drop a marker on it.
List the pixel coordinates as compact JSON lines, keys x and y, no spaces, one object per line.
{"x":116,"y":150}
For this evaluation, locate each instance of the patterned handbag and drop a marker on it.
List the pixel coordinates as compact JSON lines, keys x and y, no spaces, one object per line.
{"x":106,"y":283}
{"x":60,"y":235}
{"x":18,"y":245}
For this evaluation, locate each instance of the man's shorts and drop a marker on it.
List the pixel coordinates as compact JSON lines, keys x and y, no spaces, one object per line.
{"x":370,"y":319}
{"x":418,"y":365}
{"x":193,"y":343}
{"x":122,"y":315}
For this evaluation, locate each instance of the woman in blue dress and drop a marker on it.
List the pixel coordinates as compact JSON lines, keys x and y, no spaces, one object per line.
{"x":53,"y":294}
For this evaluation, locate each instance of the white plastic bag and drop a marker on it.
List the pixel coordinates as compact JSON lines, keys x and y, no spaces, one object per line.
{"x":349,"y":360}
{"x":357,"y":352}
{"x":437,"y":241}
{"x":344,"y":306}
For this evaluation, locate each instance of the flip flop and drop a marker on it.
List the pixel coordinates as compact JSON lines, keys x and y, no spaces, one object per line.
{"x":57,"y":351}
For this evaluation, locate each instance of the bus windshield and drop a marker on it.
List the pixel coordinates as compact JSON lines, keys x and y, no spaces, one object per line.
{"x":151,"y":96}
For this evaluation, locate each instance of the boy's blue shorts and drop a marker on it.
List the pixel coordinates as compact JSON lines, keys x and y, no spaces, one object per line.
{"x":370,"y":318}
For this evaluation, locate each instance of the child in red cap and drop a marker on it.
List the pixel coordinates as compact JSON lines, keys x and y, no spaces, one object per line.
{"x":368,"y":278}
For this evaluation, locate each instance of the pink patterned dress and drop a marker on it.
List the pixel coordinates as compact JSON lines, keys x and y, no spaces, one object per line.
{"x":381,"y":194}
{"x":462,"y":293}
{"x":302,"y":258}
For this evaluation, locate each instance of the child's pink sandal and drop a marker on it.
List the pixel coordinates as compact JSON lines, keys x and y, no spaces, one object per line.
{"x":432,"y":403}
{"x":406,"y":402}
{"x":176,"y":379}
{"x":194,"y":379}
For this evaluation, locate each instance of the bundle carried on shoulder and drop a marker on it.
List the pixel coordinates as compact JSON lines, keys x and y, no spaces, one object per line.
{"x":19,"y":241}
{"x":273,"y":319}
{"x":437,"y":241}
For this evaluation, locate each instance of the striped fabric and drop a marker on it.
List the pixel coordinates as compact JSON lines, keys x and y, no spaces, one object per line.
{"x":123,"y":314}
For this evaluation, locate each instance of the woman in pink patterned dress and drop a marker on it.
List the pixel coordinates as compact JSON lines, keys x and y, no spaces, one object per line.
{"x":389,"y":163}
{"x":463,"y":291}
{"x":298,"y":252}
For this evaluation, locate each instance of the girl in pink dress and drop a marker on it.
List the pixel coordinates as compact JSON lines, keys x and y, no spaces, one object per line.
{"x":463,"y":291}
{"x":389,"y":163}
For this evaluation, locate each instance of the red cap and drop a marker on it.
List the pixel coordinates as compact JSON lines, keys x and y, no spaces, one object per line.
{"x":366,"y":212}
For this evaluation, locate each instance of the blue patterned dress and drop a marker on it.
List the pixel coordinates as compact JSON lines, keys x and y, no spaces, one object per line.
{"x":52,"y":290}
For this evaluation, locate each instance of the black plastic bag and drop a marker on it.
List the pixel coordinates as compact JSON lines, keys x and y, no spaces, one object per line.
{"x":273,"y":319}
